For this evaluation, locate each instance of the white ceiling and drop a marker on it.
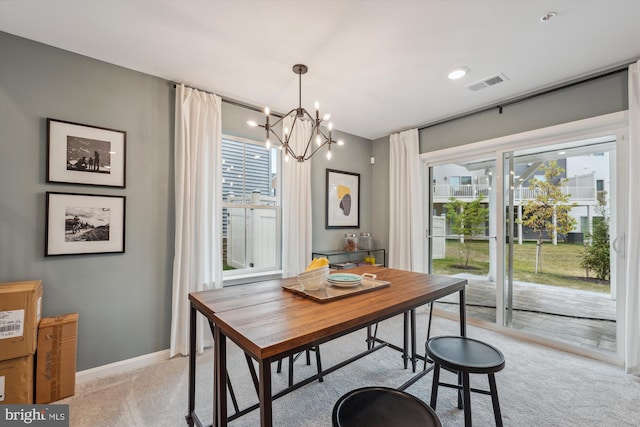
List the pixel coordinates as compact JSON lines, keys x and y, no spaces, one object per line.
{"x":377,"y":66}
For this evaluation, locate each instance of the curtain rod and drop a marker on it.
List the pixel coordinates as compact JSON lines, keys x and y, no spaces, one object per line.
{"x":499,"y":106}
{"x":231,"y":101}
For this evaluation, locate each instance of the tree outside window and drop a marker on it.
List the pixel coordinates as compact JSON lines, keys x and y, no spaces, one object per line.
{"x":467,"y":219}
{"x":548,"y":211}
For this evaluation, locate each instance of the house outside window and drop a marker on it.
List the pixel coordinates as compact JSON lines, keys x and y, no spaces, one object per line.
{"x":251,"y":216}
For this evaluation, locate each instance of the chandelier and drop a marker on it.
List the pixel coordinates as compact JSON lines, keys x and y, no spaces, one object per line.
{"x":317,"y":133}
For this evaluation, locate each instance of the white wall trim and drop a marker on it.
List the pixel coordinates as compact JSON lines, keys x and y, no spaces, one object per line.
{"x":121,"y":367}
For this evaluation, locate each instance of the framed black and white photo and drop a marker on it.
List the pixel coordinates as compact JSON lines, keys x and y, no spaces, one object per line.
{"x":84,"y":224}
{"x":343,"y":199}
{"x":81,"y":154}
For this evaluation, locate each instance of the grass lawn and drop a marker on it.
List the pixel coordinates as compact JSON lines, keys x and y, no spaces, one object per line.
{"x":560,"y":264}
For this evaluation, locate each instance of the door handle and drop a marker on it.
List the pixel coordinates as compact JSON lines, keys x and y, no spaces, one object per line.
{"x":618,"y":245}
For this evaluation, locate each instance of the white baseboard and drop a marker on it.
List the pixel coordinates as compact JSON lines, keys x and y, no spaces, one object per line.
{"x":121,"y":367}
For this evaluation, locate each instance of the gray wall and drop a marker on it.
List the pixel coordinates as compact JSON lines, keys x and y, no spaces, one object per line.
{"x":123,"y":300}
{"x":380,"y":192}
{"x":354,"y":157}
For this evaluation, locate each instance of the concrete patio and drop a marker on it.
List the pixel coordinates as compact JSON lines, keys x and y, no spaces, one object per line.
{"x":576,"y":317}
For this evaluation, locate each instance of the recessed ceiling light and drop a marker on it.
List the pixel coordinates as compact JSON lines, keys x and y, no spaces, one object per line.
{"x":548,"y":16}
{"x":458,"y":73}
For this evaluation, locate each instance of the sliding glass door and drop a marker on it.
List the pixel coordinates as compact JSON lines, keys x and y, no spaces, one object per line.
{"x":462,"y":237}
{"x":533,"y":223}
{"x":559,"y":200}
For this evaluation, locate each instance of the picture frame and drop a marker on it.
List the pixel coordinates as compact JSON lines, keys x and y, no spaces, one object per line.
{"x":87,"y":155}
{"x":342,"y":199}
{"x":79,"y":224}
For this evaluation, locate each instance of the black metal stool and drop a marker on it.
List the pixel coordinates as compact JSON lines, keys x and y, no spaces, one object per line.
{"x":293,"y":358}
{"x":465,"y":356}
{"x":382,"y":407}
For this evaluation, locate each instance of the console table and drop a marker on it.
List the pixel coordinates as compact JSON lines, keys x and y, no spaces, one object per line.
{"x":341,"y":255}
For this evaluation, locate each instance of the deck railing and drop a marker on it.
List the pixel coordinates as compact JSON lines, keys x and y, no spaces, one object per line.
{"x":442,"y":192}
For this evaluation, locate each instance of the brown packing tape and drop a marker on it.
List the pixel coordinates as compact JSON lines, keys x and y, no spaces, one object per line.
{"x":56,"y":364}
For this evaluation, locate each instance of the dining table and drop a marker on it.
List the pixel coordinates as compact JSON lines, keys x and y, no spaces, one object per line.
{"x":270,"y":320}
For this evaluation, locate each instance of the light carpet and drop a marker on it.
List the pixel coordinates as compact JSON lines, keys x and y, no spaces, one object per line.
{"x":539,"y":386}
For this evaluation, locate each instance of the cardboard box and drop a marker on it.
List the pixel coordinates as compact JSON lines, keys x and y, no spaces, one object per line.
{"x":20,"y":312}
{"x":56,"y":358}
{"x":16,"y":380}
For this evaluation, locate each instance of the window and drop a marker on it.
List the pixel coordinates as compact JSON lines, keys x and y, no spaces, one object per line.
{"x":251,"y":207}
{"x":600,"y":184}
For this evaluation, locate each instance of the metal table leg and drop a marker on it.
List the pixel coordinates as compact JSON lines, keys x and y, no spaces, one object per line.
{"x":463,"y":314}
{"x":265,"y":393}
{"x":414,"y":359}
{"x":192,"y":365}
{"x":405,"y":351}
{"x":220,"y":376}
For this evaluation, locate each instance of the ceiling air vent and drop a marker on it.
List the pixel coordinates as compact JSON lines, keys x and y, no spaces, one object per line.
{"x":489,"y":81}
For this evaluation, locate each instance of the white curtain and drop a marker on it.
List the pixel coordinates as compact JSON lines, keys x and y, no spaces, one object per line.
{"x":197,"y":263}
{"x":296,"y":203}
{"x":632,"y":252}
{"x":406,"y":224}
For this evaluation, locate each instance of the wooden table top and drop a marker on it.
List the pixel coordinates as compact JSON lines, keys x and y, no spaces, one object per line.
{"x":266,"y":320}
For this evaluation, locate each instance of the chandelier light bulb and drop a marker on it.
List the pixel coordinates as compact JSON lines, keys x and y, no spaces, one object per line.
{"x":316,"y":105}
{"x":330,"y":126}
{"x":327,"y":116}
{"x":267,"y":111}
{"x":286,"y":131}
{"x":340,"y":142}
{"x":252,"y":123}
{"x":329,"y":155}
{"x":267,"y":143}
{"x":286,"y":157}
{"x":318,"y":140}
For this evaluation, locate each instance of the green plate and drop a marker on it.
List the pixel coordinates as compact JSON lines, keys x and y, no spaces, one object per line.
{"x":344,"y":277}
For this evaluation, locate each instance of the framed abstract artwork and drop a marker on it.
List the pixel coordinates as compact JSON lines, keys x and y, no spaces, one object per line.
{"x":89,"y":155}
{"x":342,"y":199}
{"x":84,"y":224}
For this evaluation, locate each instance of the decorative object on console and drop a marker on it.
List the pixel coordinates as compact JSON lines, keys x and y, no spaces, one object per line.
{"x":343,"y":200}
{"x":81,"y":154}
{"x":365,"y":241}
{"x":350,"y":242}
{"x":84,"y":224}
{"x":299,"y":113}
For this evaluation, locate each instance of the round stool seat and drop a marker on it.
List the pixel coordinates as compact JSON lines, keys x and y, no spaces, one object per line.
{"x":465,"y":354}
{"x":382,"y":407}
